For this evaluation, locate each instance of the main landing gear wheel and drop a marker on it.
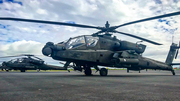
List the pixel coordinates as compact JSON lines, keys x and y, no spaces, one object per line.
{"x":127,"y":70}
{"x":88,"y":71}
{"x":103,"y":72}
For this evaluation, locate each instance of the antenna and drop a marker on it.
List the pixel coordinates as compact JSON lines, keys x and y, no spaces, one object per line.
{"x":172,"y":38}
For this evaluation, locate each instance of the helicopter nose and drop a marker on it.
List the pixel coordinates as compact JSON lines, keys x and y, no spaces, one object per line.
{"x":50,"y":47}
{"x":59,"y":47}
{"x":4,"y":64}
{"x":47,"y":49}
{"x":49,"y":44}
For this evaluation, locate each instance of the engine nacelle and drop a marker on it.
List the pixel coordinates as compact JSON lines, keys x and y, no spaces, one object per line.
{"x":139,"y":48}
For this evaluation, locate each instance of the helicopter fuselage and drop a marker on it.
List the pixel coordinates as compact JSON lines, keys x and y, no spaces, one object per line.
{"x":30,"y":63}
{"x":104,"y":51}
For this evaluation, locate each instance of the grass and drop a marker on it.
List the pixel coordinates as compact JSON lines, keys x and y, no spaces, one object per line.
{"x":39,"y":71}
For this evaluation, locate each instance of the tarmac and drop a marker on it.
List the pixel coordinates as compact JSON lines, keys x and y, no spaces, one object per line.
{"x":75,"y":86}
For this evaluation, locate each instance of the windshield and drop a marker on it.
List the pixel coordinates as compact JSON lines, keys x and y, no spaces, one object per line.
{"x":20,"y":60}
{"x":14,"y":61}
{"x":75,"y":42}
{"x":91,"y":41}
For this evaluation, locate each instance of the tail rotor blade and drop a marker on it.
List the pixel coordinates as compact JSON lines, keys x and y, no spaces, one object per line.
{"x":177,"y":53}
{"x":177,"y":50}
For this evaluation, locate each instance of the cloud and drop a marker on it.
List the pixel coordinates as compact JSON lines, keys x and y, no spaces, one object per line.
{"x":10,"y":1}
{"x":89,"y":12}
{"x":24,"y":47}
{"x":21,"y":47}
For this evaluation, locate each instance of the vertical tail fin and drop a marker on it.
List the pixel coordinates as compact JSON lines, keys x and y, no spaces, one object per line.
{"x":171,"y":55}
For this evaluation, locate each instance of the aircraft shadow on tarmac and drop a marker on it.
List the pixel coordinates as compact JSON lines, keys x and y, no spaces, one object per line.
{"x":120,"y":75}
{"x":66,"y":74}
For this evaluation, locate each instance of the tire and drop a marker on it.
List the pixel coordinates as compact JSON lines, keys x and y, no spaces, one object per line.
{"x":127,"y":70}
{"x":103,"y":72}
{"x":23,"y":70}
{"x":87,"y":71}
{"x":173,"y":73}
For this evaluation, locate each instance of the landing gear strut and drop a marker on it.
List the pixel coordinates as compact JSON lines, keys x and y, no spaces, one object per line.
{"x":38,"y":70}
{"x":87,"y":70}
{"x":103,"y":72}
{"x":173,"y":72}
{"x":127,"y":70}
{"x":78,"y":67}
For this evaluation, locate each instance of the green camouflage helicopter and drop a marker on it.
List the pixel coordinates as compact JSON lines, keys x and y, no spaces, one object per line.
{"x":27,"y":62}
{"x":98,"y":49}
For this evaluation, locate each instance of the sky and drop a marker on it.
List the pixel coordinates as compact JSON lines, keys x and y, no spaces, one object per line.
{"x":24,"y":37}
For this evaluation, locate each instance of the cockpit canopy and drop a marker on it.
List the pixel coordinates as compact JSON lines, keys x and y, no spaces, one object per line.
{"x":89,"y":41}
{"x":18,"y":60}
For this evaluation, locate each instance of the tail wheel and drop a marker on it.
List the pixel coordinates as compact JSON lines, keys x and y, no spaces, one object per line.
{"x":87,"y":71}
{"x":173,"y":72}
{"x":103,"y":72}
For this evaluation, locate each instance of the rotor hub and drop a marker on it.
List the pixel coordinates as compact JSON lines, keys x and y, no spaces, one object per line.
{"x":107,"y":25}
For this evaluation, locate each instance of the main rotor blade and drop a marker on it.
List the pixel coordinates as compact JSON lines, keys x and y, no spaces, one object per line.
{"x":8,"y":56}
{"x":147,"y":19}
{"x":38,"y":58}
{"x":138,"y":37}
{"x":49,"y":22}
{"x":17,"y":55}
{"x":97,"y":32}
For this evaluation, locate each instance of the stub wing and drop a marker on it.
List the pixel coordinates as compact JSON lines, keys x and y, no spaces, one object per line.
{"x":175,"y":64}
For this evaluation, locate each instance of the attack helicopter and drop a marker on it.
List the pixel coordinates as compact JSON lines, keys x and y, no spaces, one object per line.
{"x":27,"y":62}
{"x":99,"y":49}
